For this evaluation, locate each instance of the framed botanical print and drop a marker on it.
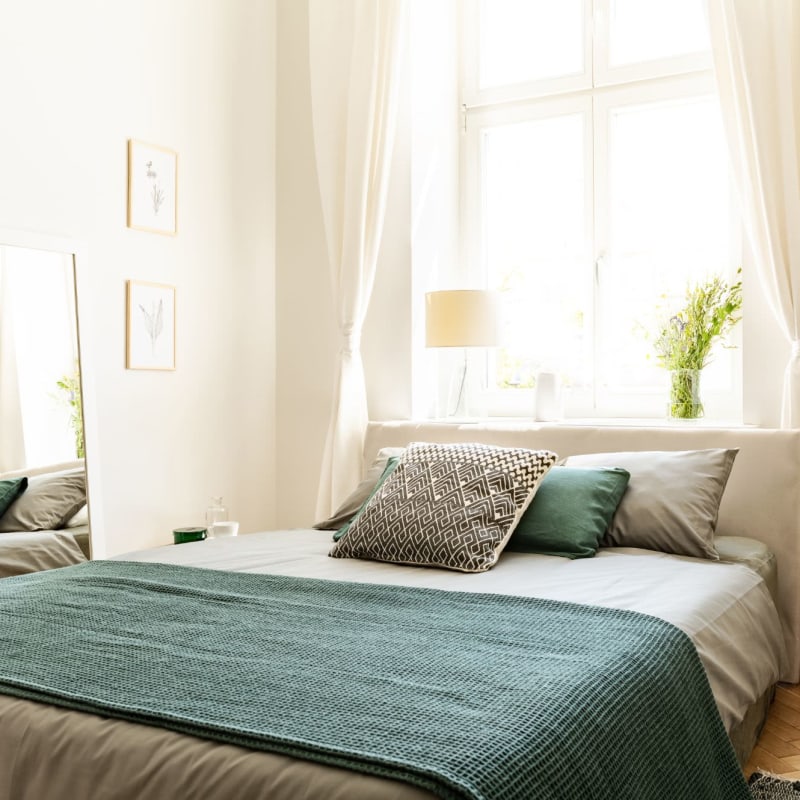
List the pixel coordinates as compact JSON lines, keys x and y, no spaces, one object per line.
{"x":150,"y":326}
{"x":152,"y":188}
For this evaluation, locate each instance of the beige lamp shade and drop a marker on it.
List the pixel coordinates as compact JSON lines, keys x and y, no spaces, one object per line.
{"x":462,"y":318}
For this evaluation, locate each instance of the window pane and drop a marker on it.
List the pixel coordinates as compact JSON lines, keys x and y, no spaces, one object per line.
{"x":671,"y":223}
{"x":646,"y":30}
{"x":535,"y":244}
{"x":529,"y":40}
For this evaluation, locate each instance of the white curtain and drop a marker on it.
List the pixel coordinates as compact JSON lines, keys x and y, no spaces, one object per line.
{"x":756,"y":47}
{"x":12,"y":440}
{"x":356,"y":54}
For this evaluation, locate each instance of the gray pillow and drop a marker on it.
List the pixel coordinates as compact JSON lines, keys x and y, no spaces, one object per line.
{"x":672,"y":500}
{"x":352,"y":504}
{"x":47,"y":504}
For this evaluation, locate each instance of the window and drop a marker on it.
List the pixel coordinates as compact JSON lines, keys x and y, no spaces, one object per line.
{"x":595,"y":186}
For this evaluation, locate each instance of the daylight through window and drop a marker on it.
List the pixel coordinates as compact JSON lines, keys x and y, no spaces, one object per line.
{"x":595,"y":188}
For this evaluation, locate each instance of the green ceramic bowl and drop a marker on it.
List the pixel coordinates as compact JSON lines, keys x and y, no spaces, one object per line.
{"x":183,"y":535}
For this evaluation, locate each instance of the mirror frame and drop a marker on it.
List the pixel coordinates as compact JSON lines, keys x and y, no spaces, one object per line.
{"x":77,"y":250}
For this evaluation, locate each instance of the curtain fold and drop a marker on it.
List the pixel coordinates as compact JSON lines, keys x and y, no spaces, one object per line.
{"x":356,"y":56}
{"x":756,"y":48}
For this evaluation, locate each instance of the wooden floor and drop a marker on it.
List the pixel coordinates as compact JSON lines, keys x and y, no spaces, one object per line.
{"x":778,"y":748}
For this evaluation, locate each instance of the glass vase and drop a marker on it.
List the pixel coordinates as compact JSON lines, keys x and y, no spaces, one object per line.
{"x":684,"y":394}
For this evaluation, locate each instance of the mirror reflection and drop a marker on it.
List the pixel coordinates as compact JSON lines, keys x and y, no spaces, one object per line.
{"x":42,"y":465}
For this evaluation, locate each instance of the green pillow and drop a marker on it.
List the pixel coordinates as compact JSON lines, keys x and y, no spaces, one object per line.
{"x":387,"y":471}
{"x":10,"y":490}
{"x":570,"y":512}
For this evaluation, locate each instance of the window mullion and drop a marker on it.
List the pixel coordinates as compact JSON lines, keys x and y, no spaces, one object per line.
{"x":600,"y":231}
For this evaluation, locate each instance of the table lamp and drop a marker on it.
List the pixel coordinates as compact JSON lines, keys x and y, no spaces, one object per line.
{"x":465,"y":318}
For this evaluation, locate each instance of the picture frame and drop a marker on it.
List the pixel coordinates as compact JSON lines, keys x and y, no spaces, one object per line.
{"x":150,"y":337}
{"x":152,"y":188}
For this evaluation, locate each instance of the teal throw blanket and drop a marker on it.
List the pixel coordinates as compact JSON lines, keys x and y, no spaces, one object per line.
{"x":468,"y":696}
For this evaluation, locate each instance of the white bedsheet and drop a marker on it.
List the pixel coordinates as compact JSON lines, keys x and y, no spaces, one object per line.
{"x":725,"y":608}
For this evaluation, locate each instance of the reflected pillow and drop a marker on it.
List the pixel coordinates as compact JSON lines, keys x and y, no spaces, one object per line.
{"x":80,"y":519}
{"x":672,"y":500}
{"x":47,"y":504}
{"x":10,"y":490}
{"x":356,"y":499}
{"x":447,"y":505}
{"x":570,"y":512}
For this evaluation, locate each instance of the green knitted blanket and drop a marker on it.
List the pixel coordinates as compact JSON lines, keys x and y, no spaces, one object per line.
{"x":467,"y":696}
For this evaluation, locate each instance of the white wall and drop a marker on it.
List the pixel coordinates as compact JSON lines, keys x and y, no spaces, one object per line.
{"x":198,"y":76}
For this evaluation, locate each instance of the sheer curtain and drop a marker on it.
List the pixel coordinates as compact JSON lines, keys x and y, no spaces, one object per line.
{"x":756,"y":46}
{"x":356,"y":53}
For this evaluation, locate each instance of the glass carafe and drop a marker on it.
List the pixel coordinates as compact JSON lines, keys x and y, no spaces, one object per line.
{"x":216,"y":512}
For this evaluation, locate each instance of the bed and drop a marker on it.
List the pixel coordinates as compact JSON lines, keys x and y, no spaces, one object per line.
{"x":761,"y":500}
{"x":726,"y":608}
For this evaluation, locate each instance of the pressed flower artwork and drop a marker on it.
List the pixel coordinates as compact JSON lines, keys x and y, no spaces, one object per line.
{"x":151,"y":326}
{"x":152,"y":188}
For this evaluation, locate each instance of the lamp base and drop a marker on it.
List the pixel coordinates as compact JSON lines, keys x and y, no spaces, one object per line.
{"x":464,"y":402}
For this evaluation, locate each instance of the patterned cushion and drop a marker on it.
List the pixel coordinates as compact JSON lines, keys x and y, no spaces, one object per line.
{"x":447,"y":505}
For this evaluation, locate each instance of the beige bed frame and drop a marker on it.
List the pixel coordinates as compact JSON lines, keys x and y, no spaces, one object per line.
{"x":761,"y":501}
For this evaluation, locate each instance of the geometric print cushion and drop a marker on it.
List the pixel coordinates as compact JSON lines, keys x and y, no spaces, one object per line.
{"x":447,"y":505}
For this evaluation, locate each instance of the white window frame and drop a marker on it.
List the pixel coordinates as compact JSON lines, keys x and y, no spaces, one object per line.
{"x":635,"y":84}
{"x":606,"y":75}
{"x":472,"y":95}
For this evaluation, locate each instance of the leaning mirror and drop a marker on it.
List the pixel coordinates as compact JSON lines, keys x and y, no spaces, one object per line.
{"x":46,"y":430}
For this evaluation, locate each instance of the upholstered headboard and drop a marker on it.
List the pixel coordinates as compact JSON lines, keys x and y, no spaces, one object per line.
{"x":762,"y":498}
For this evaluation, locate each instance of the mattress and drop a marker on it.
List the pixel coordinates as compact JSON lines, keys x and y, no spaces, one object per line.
{"x":725,"y":608}
{"x":753,"y":554}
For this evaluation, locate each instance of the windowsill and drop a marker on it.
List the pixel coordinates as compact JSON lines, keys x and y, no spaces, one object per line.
{"x":593,"y":422}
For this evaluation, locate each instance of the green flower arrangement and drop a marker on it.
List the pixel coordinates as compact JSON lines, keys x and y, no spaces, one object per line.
{"x":684,"y":343}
